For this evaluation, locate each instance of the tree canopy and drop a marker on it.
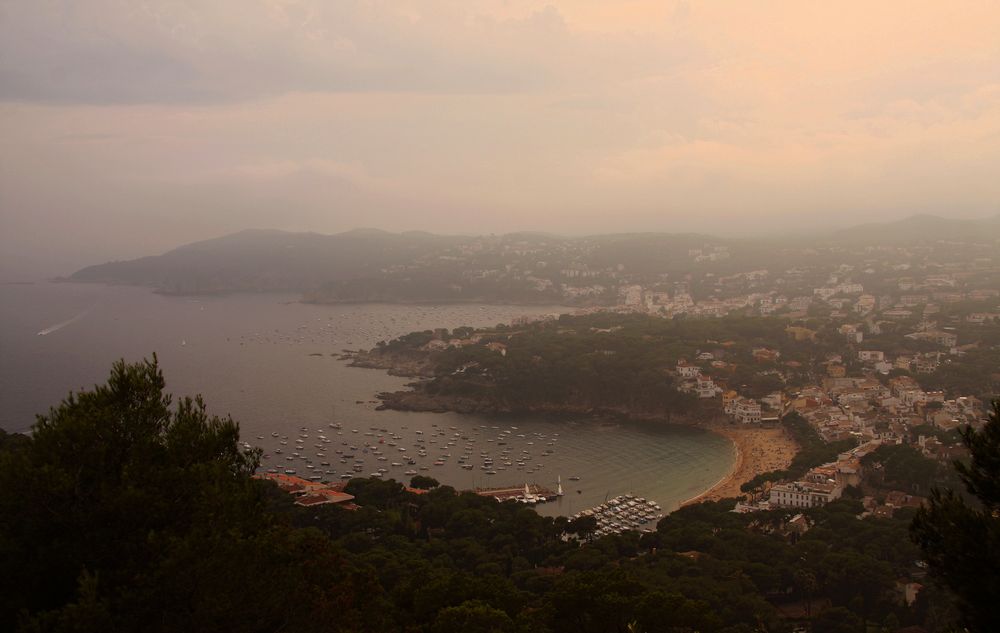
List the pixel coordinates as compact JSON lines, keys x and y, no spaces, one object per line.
{"x":961,"y":540}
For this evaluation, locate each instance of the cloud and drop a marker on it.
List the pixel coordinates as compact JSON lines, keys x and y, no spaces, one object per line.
{"x":170,"y":120}
{"x":160,"y":51}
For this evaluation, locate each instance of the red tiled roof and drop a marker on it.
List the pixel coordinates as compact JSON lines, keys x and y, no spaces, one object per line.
{"x":322,"y":496}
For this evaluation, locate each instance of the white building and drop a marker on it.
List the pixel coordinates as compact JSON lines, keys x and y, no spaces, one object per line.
{"x":744,"y":410}
{"x":803,"y":494}
{"x":706,"y":387}
{"x":684,"y":370}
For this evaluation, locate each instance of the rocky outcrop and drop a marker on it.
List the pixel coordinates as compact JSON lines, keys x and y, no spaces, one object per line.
{"x":407,"y":365}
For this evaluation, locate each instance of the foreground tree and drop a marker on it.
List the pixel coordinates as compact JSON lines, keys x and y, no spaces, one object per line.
{"x":123,"y":512}
{"x":961,"y":542}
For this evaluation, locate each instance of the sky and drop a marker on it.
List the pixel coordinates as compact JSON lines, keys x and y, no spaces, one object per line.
{"x":129,"y":127}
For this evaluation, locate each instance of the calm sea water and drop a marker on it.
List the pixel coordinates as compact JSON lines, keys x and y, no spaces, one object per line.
{"x":271,"y":363}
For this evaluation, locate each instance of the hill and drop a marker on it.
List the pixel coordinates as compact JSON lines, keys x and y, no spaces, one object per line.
{"x":415,"y":266}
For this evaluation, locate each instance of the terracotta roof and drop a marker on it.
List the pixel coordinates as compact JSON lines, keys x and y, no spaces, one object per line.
{"x":322,"y":496}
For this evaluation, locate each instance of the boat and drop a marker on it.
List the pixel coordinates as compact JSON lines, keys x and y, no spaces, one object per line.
{"x":527,"y":497}
{"x":574,"y":478}
{"x":559,"y":490}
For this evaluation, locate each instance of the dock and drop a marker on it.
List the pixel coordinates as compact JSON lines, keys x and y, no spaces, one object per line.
{"x":507,"y":493}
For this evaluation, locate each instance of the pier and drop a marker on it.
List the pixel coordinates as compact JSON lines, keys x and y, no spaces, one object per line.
{"x":506,"y":493}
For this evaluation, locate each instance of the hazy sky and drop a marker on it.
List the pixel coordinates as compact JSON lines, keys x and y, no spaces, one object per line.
{"x":131,"y":126}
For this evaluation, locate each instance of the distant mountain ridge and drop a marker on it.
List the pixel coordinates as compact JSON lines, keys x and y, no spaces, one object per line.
{"x":924,"y":227}
{"x":377,"y":265}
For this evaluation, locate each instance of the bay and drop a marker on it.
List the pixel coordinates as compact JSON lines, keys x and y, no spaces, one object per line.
{"x":272,"y":364}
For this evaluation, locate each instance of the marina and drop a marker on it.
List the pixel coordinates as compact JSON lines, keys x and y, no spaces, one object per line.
{"x":622,"y":513}
{"x":328,"y":454}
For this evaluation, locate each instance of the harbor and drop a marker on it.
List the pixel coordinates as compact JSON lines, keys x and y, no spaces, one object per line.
{"x":622,"y":513}
{"x":335,"y":452}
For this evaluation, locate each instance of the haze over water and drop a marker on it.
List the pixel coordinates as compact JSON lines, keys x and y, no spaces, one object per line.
{"x":249,"y":355}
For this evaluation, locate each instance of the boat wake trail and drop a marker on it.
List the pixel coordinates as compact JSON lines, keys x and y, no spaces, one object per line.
{"x":59,"y":326}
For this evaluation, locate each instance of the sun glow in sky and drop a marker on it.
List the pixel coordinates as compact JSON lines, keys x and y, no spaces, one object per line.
{"x":130,"y":127}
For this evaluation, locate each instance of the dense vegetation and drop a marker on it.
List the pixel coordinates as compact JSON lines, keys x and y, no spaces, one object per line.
{"x":903,"y":467}
{"x":125,"y":512}
{"x":602,"y":361}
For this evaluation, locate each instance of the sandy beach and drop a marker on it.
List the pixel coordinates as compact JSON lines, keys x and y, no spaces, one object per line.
{"x":758,"y":450}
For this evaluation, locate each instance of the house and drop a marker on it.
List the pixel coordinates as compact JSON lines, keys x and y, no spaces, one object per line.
{"x":728,"y":398}
{"x":745,"y":410}
{"x":323,"y":496}
{"x":290,"y":483}
{"x":852,"y":333}
{"x":773,"y":400}
{"x":684,"y":370}
{"x":799,"y":523}
{"x":908,"y":591}
{"x":883,"y":367}
{"x":836,"y":370}
{"x":871,"y":356}
{"x":864,"y":304}
{"x":765,"y":355}
{"x":706,"y":387}
{"x":927,"y":364}
{"x":938,"y":337}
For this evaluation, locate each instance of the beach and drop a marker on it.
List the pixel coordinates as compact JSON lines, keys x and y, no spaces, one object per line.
{"x":758,"y":450}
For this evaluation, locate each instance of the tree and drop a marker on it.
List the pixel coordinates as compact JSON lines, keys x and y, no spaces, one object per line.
{"x":473,"y":616}
{"x":423,"y":482}
{"x":961,"y":542}
{"x":123,"y":511}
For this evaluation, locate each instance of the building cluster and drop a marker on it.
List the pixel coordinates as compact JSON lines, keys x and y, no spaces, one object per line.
{"x":311,"y":493}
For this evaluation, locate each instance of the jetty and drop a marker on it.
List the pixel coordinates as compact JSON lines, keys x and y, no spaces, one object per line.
{"x":517,"y":493}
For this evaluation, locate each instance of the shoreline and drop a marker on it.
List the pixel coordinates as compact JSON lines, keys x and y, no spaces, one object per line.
{"x":758,"y":450}
{"x":724,"y":480}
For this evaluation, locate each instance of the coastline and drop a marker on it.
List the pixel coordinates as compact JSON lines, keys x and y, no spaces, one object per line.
{"x":757,"y":450}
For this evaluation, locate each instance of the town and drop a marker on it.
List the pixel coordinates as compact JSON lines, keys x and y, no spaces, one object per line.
{"x":869,"y":346}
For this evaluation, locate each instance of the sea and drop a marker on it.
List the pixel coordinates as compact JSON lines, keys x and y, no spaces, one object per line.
{"x":272,"y":363}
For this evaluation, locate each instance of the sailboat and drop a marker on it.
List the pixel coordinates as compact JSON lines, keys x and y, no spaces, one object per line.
{"x":559,"y":490}
{"x":528,"y":497}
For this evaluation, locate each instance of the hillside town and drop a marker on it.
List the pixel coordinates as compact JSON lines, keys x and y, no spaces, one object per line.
{"x":869,"y":346}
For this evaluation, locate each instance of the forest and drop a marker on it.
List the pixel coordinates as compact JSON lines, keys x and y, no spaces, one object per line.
{"x":601,"y":362}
